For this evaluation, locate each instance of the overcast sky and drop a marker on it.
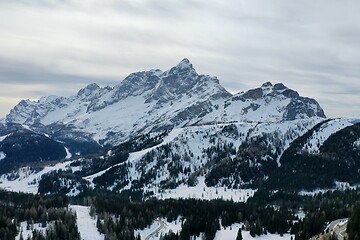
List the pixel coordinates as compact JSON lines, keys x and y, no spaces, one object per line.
{"x":55,"y":47}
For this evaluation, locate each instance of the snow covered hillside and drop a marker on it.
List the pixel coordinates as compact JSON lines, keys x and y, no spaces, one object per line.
{"x":26,"y":179}
{"x":319,"y":136}
{"x":224,"y":161}
{"x":206,"y":161}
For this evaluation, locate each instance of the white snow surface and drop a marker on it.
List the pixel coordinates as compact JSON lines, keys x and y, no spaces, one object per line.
{"x":195,"y":140}
{"x":342,"y":186}
{"x":134,"y":156}
{"x":28,"y":233}
{"x":301,"y":214}
{"x":201,"y":191}
{"x":2,"y":155}
{"x":86,"y":224}
{"x":230,"y":233}
{"x":28,"y":181}
{"x":3,"y":137}
{"x":68,"y":154}
{"x":170,"y":137}
{"x":174,"y":226}
{"x":357,"y":143}
{"x":319,"y":137}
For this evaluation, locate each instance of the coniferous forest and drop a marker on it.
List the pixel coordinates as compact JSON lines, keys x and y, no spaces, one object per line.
{"x":118,"y":216}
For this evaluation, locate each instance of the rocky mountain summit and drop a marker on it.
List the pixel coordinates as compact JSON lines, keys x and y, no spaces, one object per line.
{"x":154,"y":100}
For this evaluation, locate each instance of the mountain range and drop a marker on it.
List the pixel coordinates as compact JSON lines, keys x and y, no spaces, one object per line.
{"x":165,"y":133}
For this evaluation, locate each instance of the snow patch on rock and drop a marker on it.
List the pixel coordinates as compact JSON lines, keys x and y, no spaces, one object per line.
{"x":68,"y":154}
{"x":2,"y":156}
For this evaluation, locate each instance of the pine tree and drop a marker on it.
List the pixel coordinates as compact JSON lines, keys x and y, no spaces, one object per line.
{"x":354,"y":225}
{"x":239,"y":235}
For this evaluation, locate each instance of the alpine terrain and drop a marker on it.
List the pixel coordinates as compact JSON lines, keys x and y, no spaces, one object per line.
{"x":176,"y":134}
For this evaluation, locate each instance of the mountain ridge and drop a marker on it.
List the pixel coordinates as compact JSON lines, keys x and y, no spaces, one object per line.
{"x":162,"y":100}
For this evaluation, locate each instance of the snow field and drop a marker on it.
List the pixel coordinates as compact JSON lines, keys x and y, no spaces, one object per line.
{"x":28,"y":233}
{"x":86,"y":224}
{"x":201,"y":191}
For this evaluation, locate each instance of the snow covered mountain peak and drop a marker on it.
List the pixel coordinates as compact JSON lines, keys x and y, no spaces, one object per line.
{"x":155,"y":100}
{"x":88,"y":90}
{"x":183,"y":65}
{"x":272,"y":103}
{"x":266,"y":85}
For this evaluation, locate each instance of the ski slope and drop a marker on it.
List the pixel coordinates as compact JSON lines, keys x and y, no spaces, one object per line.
{"x":86,"y":224}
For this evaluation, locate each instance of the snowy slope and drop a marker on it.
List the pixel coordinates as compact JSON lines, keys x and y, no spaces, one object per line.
{"x":187,"y":149}
{"x":270,"y":103}
{"x":319,"y":137}
{"x":135,"y":156}
{"x":159,"y":227}
{"x":201,"y":191}
{"x":86,"y":224}
{"x":28,"y":180}
{"x":29,"y":233}
{"x":2,"y":156}
{"x":143,"y":101}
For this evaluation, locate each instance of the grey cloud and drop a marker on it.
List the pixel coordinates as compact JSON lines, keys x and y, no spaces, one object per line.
{"x":311,"y":46}
{"x":24,"y":73}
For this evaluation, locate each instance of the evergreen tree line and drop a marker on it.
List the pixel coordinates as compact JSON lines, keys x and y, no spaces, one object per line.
{"x":48,"y":211}
{"x":262,"y":214}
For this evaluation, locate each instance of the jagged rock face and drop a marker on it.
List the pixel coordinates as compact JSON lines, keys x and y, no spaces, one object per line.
{"x":302,"y":107}
{"x":253,"y":94}
{"x":271,"y":103}
{"x":142,"y":102}
{"x":153,"y":100}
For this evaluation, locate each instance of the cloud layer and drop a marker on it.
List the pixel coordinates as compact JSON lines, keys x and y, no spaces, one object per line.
{"x":58,"y":46}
